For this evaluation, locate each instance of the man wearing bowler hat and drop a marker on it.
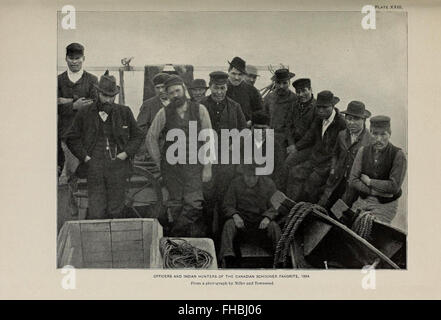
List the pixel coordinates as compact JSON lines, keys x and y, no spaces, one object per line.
{"x":197,"y":90}
{"x":224,"y":114}
{"x":104,"y":136}
{"x":349,"y":141}
{"x":280,"y":108}
{"x":378,"y":173}
{"x":183,"y":179}
{"x":307,"y":180}
{"x":251,"y":75}
{"x":243,"y":93}
{"x":75,"y":91}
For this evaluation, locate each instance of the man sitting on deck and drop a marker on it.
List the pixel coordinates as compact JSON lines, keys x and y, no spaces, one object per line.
{"x":249,"y":212}
{"x":378,"y":173}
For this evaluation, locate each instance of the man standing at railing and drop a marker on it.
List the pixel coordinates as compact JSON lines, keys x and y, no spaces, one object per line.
{"x":243,"y":93}
{"x":103,"y":137}
{"x":182,"y":179}
{"x":75,"y":91}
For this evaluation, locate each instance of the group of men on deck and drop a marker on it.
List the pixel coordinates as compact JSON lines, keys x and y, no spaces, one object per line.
{"x":321,"y":154}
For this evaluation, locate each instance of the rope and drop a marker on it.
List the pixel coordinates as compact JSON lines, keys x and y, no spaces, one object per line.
{"x":293,"y":221}
{"x":363,"y":224}
{"x":180,"y":254}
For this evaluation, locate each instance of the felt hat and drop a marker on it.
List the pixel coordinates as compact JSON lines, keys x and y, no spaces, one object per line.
{"x":239,"y":64}
{"x":107,"y":85}
{"x":282,"y":75}
{"x":173,"y":80}
{"x":357,"y":109}
{"x":326,"y":99}
{"x":252,"y":70}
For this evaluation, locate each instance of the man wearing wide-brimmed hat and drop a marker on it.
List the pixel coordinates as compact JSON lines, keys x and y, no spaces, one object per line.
{"x":75,"y":91}
{"x":197,"y":89}
{"x":279,"y":105}
{"x":307,"y":180}
{"x":378,"y":172}
{"x":349,"y":141}
{"x":104,"y":136}
{"x":183,"y":179}
{"x":251,"y":75}
{"x":243,"y":93}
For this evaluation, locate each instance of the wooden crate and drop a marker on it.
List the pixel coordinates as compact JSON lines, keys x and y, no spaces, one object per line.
{"x":117,"y":243}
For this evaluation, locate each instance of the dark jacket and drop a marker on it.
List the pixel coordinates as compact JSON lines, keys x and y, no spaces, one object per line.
{"x":81,"y":137}
{"x":302,"y":118}
{"x":342,"y":160}
{"x":281,"y":110}
{"x":252,"y":204}
{"x":147,"y":113}
{"x":83,"y":88}
{"x":230,"y":117}
{"x":247,"y":96}
{"x":322,"y":147}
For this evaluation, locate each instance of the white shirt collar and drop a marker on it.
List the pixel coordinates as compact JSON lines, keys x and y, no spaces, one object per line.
{"x":327,"y":122}
{"x":75,"y":76}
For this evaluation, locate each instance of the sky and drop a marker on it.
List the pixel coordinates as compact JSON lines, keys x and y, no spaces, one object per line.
{"x":331,"y":48}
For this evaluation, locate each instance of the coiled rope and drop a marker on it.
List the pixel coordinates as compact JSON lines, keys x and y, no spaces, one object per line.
{"x":363,"y":224}
{"x":293,"y":221}
{"x":180,"y":254}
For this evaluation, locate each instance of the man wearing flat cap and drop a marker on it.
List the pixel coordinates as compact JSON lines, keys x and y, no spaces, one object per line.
{"x":243,"y":93}
{"x":75,"y":91}
{"x":182,"y":179}
{"x":307,"y":180}
{"x":197,"y":90}
{"x":224,"y":114}
{"x":280,"y":107}
{"x":251,"y":75}
{"x":104,"y":137}
{"x":378,"y":173}
{"x":349,"y":141}
{"x":150,"y":108}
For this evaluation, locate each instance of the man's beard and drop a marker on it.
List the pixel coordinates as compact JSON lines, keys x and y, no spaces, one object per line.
{"x":177,"y":102}
{"x":105,"y":106}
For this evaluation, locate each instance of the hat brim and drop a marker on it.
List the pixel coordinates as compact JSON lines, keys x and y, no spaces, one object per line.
{"x":206,"y":88}
{"x":365,"y":115}
{"x":334,"y":101}
{"x":107,"y":93}
{"x":237,"y":67}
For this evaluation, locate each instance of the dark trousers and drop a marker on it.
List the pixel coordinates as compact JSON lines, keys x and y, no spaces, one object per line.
{"x":214,"y":192}
{"x":184,"y":184}
{"x":268,"y":237}
{"x":106,"y":185}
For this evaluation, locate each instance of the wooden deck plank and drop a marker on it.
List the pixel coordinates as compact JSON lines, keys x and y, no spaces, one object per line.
{"x":97,"y":256}
{"x":147,"y":233}
{"x":127,"y":245}
{"x":126,"y":225}
{"x":94,"y":236}
{"x":137,"y":255}
{"x":95,"y":226}
{"x":97,"y":246}
{"x":126,"y":235}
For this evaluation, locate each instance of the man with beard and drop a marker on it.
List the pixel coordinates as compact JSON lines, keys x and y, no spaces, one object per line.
{"x":280,"y":108}
{"x":251,"y":75}
{"x":378,"y":173}
{"x":349,"y":141}
{"x":104,"y":136}
{"x":307,"y":180}
{"x":183,"y":180}
{"x":197,"y":90}
{"x":224,"y":114}
{"x":75,"y":91}
{"x":243,"y":93}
